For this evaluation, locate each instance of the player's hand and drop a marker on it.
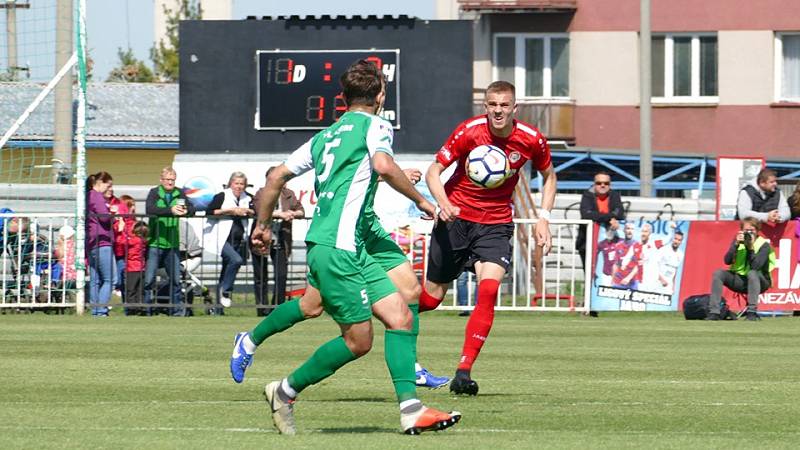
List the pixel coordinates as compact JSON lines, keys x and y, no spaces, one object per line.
{"x":428,"y":210}
{"x":413,"y":175}
{"x":261,"y":239}
{"x":448,"y":212}
{"x":543,"y":237}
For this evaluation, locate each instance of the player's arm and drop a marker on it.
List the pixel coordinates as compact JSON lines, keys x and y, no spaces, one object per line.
{"x":433,"y":178}
{"x":543,"y":236}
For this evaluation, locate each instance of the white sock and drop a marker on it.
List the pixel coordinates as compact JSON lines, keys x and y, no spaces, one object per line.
{"x":288,"y":389}
{"x":248,"y":344}
{"x":410,"y":406}
{"x":417,"y":367}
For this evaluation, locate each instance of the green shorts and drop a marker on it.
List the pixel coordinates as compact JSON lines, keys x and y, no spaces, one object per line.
{"x":383,"y":249}
{"x":348,"y":282}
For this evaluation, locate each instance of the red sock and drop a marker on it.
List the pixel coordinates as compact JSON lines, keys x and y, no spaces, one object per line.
{"x":427,"y":302}
{"x":479,"y":324}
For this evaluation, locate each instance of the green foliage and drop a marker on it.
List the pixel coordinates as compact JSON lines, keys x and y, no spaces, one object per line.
{"x":165,"y":54}
{"x":547,"y":380}
{"x":130,"y":69}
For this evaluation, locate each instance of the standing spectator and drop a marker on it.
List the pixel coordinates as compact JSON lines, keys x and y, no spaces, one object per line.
{"x":135,"y":251}
{"x":226,"y":235}
{"x":602,"y":206}
{"x":99,"y":241}
{"x":287,"y":209}
{"x":794,"y":202}
{"x":462,"y":292}
{"x":165,"y":205}
{"x":762,"y":200}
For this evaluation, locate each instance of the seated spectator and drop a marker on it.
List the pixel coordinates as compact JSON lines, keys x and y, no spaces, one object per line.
{"x":794,"y":202}
{"x":762,"y":200}
{"x":227,"y":236}
{"x":165,"y":204}
{"x":64,"y":253}
{"x":750,"y":260}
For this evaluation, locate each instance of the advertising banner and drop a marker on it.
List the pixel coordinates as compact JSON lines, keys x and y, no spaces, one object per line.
{"x":639,"y":266}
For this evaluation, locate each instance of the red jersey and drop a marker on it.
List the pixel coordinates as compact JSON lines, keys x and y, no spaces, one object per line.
{"x":477,"y":203}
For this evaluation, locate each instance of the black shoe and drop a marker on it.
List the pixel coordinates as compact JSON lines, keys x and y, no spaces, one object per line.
{"x":463,"y":384}
{"x":593,"y":314}
{"x":465,"y":313}
{"x":712,"y":316}
{"x":751,"y":315}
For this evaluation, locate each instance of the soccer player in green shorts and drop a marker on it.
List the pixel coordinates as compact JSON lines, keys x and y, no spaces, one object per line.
{"x":347,"y":158}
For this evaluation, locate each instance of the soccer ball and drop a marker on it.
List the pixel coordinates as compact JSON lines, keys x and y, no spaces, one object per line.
{"x":487,"y":166}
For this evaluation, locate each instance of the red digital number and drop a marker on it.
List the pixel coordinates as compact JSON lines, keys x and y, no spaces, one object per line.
{"x":375,"y":60}
{"x":284,"y":67}
{"x":339,"y":107}
{"x":315,"y":108}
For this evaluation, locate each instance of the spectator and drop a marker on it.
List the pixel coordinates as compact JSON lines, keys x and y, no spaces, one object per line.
{"x":750,"y":260}
{"x":462,"y":292}
{"x":119,"y":206}
{"x":135,"y":251}
{"x":165,"y":204}
{"x":794,"y":202}
{"x":99,"y":241}
{"x":64,"y":253}
{"x":601,"y":205}
{"x":762,"y":200}
{"x":228,"y":236}
{"x":287,"y":209}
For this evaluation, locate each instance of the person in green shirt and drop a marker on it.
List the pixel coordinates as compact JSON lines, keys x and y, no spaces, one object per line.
{"x":347,"y":159}
{"x":750,"y":260}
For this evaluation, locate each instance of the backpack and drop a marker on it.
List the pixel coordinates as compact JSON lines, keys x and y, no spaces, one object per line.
{"x":695,"y":307}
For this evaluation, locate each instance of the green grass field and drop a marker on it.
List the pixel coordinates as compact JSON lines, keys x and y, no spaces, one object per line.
{"x":547,"y":381}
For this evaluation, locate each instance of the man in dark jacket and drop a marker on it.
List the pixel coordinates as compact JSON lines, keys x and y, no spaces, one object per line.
{"x":602,"y":206}
{"x":762,"y":200}
{"x":165,"y":205}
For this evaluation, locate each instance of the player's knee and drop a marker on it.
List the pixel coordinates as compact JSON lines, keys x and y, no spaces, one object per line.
{"x":360,"y":345}
{"x":412,"y":293}
{"x":401,"y":321}
{"x":310,"y":308}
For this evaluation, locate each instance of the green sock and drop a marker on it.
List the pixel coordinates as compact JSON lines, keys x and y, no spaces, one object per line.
{"x":323,"y":363}
{"x":283,"y":317}
{"x":400,"y":349}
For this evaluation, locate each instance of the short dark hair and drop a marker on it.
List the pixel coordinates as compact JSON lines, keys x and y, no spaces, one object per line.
{"x":501,"y":86}
{"x":602,"y":172}
{"x":764,"y":174}
{"x":361,"y":83}
{"x":678,"y":233}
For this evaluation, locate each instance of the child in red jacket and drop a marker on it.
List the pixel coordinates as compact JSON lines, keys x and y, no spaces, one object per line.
{"x":136,"y":246}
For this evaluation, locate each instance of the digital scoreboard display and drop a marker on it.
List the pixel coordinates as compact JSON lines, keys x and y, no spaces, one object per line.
{"x":300,"y":90}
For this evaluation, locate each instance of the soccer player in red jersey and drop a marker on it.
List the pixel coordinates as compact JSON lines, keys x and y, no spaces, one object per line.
{"x":475,"y":223}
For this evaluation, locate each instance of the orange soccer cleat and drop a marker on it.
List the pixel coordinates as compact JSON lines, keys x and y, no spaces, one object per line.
{"x":428,"y":419}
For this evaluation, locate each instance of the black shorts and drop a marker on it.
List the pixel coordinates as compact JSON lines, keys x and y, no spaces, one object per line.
{"x":460,"y":244}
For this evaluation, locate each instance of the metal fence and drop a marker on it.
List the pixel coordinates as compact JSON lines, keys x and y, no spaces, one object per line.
{"x":39,"y":268}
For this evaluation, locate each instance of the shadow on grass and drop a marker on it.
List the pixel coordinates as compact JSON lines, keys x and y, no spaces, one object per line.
{"x":359,"y":430}
{"x":355,"y":400}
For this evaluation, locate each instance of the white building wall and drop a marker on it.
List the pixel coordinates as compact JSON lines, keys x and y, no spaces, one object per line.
{"x":746,"y":67}
{"x":604,"y":68}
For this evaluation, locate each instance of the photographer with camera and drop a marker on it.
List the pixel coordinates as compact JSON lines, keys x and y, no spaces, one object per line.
{"x":751,"y":259}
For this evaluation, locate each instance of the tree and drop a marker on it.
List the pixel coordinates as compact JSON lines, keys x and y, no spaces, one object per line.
{"x":165,"y":54}
{"x":130,"y":69}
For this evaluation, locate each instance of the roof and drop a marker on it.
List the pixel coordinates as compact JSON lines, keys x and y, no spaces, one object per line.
{"x":518,"y":5}
{"x":143,"y":112}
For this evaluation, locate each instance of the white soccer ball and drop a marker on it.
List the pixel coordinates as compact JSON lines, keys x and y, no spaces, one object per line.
{"x":487,"y":166}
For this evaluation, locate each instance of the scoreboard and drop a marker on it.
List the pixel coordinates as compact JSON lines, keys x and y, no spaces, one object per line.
{"x":300,"y":90}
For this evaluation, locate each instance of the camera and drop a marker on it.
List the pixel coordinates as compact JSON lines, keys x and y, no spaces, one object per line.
{"x":749,"y":236}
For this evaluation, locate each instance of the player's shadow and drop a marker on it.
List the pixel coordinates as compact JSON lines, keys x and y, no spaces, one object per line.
{"x":355,"y":400}
{"x":359,"y":430}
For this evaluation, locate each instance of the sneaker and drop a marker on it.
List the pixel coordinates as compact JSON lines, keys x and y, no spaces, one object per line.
{"x":428,"y":419}
{"x":429,"y":380}
{"x":751,"y":315}
{"x":240,"y":359}
{"x":225,"y":300}
{"x":463,"y":384}
{"x":282,"y":412}
{"x":712,"y":316}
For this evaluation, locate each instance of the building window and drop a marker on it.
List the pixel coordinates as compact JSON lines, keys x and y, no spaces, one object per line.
{"x":537,"y":64}
{"x":684,"y":67}
{"x":787,"y":67}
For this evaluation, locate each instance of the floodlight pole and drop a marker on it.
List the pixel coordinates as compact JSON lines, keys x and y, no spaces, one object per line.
{"x":645,"y":120}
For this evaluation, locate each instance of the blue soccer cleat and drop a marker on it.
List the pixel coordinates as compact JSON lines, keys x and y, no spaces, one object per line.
{"x":240,"y":359}
{"x":429,"y":380}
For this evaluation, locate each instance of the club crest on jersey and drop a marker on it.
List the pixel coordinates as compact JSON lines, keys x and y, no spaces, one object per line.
{"x":514,"y":157}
